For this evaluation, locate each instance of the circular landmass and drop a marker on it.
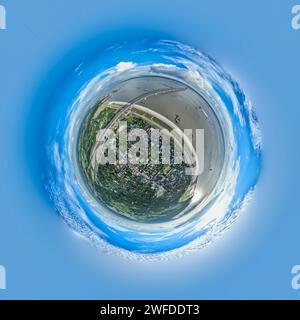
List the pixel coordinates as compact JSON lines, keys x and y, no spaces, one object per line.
{"x":142,"y":192}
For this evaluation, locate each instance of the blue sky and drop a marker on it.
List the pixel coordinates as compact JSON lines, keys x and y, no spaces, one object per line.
{"x":254,"y":41}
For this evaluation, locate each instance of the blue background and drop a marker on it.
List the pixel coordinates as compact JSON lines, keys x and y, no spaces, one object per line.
{"x":255,"y":42}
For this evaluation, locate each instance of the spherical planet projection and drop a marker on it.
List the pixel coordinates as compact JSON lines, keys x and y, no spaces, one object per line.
{"x":152,"y":149}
